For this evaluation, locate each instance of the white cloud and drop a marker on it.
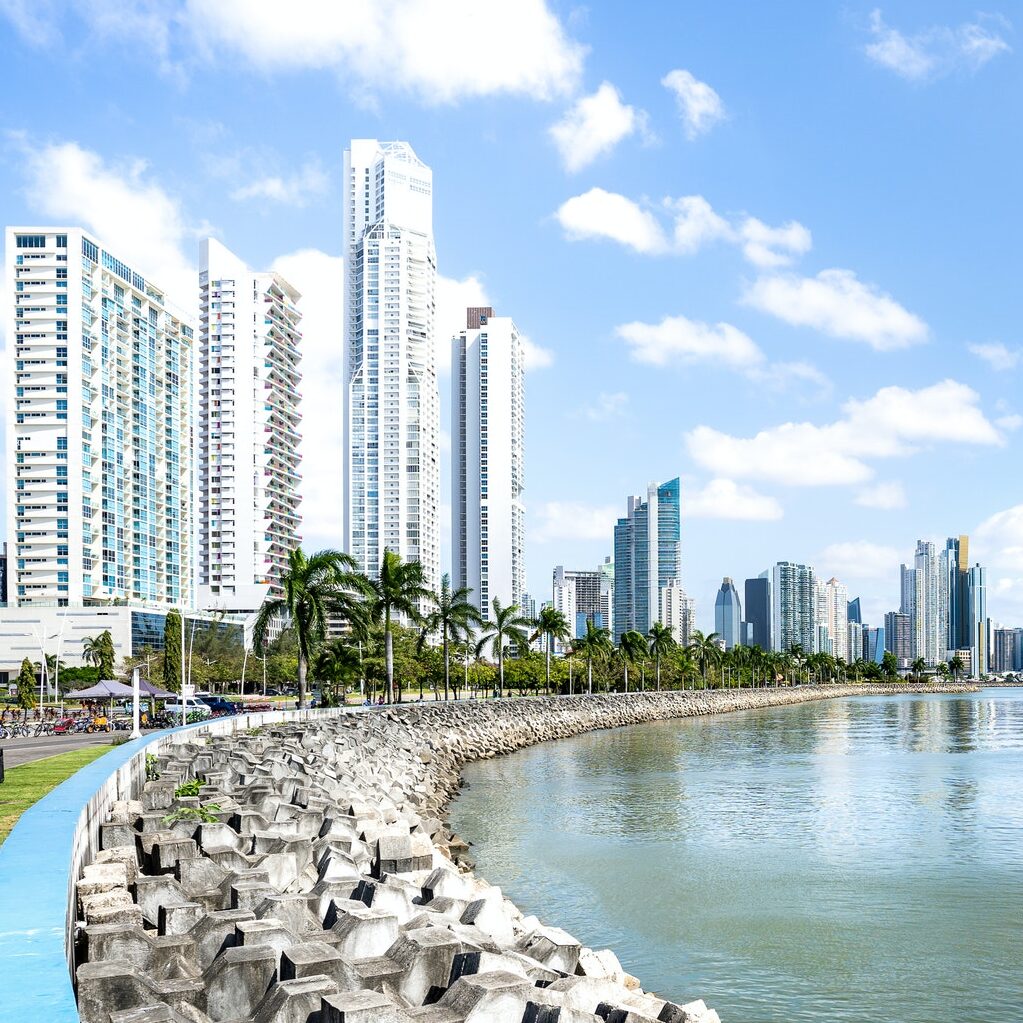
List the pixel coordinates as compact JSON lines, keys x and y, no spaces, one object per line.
{"x":726,"y":499}
{"x":131,"y":213}
{"x":310,"y":182}
{"x":679,"y":341}
{"x":535,"y":356}
{"x":698,"y":104}
{"x":998,"y":543}
{"x":766,"y":246}
{"x":438,"y":51}
{"x":860,"y":559}
{"x":998,"y":356}
{"x":680,"y":226}
{"x":839,"y":304}
{"x":593,"y":126}
{"x":606,"y":407}
{"x":937,"y":50}
{"x":883,"y":496}
{"x":601,"y":214}
{"x":895,"y":422}
{"x":573,"y":520}
{"x":318,"y":276}
{"x":696,"y":223}
{"x":1009,"y":422}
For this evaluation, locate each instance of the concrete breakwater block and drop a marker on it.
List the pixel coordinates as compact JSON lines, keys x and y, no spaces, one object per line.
{"x":327,"y":888}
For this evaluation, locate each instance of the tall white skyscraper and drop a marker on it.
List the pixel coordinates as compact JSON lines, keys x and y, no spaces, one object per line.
{"x":929,"y":607}
{"x":391,"y":404}
{"x":833,"y":618}
{"x":565,"y":600}
{"x":677,"y":612}
{"x":247,"y":431}
{"x":487,"y":459}
{"x":794,"y":607}
{"x":98,"y":426}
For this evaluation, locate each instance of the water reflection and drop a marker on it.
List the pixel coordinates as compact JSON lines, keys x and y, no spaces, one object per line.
{"x":842,"y":860}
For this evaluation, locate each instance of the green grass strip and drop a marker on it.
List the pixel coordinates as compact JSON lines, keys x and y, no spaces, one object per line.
{"x":28,"y":783}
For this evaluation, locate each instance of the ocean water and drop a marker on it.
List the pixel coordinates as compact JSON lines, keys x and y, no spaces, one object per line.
{"x":856,"y":859}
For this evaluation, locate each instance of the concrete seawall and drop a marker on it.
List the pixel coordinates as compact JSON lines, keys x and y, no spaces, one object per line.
{"x":324,"y":882}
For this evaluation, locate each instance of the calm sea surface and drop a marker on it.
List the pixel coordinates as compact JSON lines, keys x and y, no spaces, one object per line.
{"x":857,"y":859}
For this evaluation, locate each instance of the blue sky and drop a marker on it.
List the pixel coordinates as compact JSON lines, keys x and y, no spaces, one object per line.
{"x":771,"y":248}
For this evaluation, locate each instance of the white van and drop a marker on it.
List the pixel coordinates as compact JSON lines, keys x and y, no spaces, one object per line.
{"x":192,"y":705}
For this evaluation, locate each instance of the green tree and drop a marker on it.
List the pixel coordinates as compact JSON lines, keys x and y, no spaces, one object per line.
{"x":26,"y":687}
{"x":506,"y":626}
{"x":314,"y":586}
{"x":918,"y":667}
{"x":106,"y":663}
{"x":337,"y":666}
{"x":661,"y":642}
{"x":705,"y":650}
{"x":171,"y":651}
{"x":631,"y":649}
{"x":92,"y":650}
{"x":453,"y":619}
{"x":890,"y":666}
{"x":596,"y":647}
{"x":553,"y":626}
{"x":956,"y":667}
{"x":400,"y":590}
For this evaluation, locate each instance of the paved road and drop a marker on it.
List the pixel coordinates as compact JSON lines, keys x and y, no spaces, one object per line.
{"x":24,"y":751}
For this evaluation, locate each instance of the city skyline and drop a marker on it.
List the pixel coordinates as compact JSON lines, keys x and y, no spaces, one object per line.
{"x":850,"y":487}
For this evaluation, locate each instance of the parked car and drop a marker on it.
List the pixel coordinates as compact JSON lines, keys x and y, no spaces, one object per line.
{"x":218,"y":705}
{"x":192,"y":705}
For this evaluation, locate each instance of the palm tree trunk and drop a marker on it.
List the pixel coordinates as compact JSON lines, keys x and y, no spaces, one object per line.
{"x":589,"y":671}
{"x":389,"y":656}
{"x":548,"y":664}
{"x":303,"y":668}
{"x":658,"y":672}
{"x":447,"y":669}
{"x":500,"y":666}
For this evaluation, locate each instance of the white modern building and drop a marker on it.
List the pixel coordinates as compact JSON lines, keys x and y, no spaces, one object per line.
{"x":391,"y":462}
{"x":99,"y":420}
{"x":833,"y":618}
{"x":793,"y":607}
{"x":488,"y":460}
{"x":925,"y":599}
{"x":565,"y":600}
{"x":677,"y":612}
{"x":247,"y":431}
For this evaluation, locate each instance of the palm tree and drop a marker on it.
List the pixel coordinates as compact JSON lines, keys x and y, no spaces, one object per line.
{"x":631,"y":648}
{"x":595,"y":645}
{"x":918,"y":667}
{"x":956,"y":667}
{"x":686,"y":666}
{"x":453,"y":617}
{"x":890,"y":665}
{"x":400,"y":590}
{"x":337,"y":663}
{"x":313,"y":587}
{"x":553,"y":626}
{"x":505,"y":627}
{"x":661,"y":642}
{"x":92,"y":650}
{"x":705,"y":650}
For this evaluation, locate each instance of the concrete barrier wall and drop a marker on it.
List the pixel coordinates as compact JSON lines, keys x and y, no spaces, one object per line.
{"x":44,"y":855}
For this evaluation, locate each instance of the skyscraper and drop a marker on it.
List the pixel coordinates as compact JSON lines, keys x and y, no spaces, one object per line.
{"x":955,"y":569}
{"x":794,"y":603}
{"x":648,"y":555}
{"x":677,"y":612}
{"x":853,"y":612}
{"x":898,"y":634}
{"x":391,"y":404}
{"x":247,"y":433}
{"x":980,"y":644}
{"x":929,"y":603}
{"x":758,"y":609}
{"x":728,"y":614}
{"x":833,"y":616}
{"x":577,"y":595}
{"x":487,"y":460}
{"x":99,"y":463}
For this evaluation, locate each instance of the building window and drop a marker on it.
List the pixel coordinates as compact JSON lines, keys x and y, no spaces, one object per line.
{"x":30,"y":241}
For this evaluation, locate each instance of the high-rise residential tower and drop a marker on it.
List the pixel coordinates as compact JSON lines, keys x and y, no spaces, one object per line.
{"x":247,"y":431}
{"x":898,"y":636}
{"x":488,"y":460}
{"x":391,"y":463}
{"x":980,"y":627}
{"x":99,"y":467}
{"x":833,"y":611}
{"x":794,"y":604}
{"x":758,"y":609}
{"x":678,"y":612}
{"x":578,"y":596}
{"x":647,"y":554}
{"x":728,"y":614}
{"x":929,"y":603}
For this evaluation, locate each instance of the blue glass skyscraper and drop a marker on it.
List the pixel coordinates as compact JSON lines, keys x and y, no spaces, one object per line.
{"x":648,"y":544}
{"x":728,"y":614}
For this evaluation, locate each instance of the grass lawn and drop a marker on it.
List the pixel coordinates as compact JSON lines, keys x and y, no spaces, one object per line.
{"x":28,"y":783}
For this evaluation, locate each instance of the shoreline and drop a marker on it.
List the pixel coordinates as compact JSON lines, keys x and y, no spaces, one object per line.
{"x":330,"y":879}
